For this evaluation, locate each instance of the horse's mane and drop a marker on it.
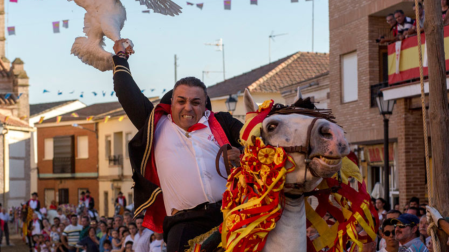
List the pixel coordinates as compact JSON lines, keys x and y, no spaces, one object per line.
{"x":304,"y":107}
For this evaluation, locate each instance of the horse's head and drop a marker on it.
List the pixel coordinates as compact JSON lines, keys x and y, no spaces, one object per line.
{"x":316,"y":144}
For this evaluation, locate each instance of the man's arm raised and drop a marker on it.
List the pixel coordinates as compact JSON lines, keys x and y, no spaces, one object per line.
{"x":136,"y":105}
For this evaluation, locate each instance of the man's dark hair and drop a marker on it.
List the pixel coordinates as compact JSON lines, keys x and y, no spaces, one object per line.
{"x":118,"y":216}
{"x":414,"y":199}
{"x":382,"y":200}
{"x":128,"y":242}
{"x":416,"y":209}
{"x":85,"y":217}
{"x":139,"y":217}
{"x":387,"y":222}
{"x":390,"y":15}
{"x":102,"y":222}
{"x":107,"y":242}
{"x":110,"y":218}
{"x":399,"y":11}
{"x":73,"y":215}
{"x":191,"y":82}
{"x":394,"y":211}
{"x":132,"y":224}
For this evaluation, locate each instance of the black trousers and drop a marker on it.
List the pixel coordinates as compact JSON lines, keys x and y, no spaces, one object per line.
{"x":5,"y":232}
{"x":184,"y":226}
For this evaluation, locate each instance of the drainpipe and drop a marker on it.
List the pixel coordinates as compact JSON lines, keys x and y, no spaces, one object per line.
{"x":4,"y":166}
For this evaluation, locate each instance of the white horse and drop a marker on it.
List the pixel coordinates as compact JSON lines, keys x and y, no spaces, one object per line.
{"x":326,"y":147}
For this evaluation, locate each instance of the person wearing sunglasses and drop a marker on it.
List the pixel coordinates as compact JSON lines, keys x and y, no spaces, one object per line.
{"x":388,"y":237}
{"x":407,"y":234}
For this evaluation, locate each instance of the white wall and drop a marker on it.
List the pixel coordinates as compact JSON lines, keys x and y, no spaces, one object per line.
{"x":109,"y":174}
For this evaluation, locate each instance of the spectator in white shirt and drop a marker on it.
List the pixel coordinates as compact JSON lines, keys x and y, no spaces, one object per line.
{"x":142,"y":238}
{"x":132,"y":232}
{"x":156,"y":245}
{"x":4,"y":216}
{"x":35,"y":225}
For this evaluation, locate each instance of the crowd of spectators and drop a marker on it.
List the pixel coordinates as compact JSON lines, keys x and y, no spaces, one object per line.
{"x":402,"y":27}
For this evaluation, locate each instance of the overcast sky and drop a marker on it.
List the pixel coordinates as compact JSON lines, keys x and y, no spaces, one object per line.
{"x":157,"y":38}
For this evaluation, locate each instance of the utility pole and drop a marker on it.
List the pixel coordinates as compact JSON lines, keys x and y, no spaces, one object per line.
{"x":220,"y":46}
{"x":271,"y":37}
{"x":438,"y":111}
{"x":176,"y":68}
{"x":313,"y":23}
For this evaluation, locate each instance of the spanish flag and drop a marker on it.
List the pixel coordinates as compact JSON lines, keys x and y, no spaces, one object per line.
{"x":58,"y":119}
{"x":89,"y":118}
{"x":41,"y":119}
{"x":74,"y":114}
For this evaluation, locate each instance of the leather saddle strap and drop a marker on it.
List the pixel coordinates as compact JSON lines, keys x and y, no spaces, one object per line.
{"x":223,"y":150}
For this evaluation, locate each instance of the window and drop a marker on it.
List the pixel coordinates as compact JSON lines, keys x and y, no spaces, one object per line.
{"x":128,"y":137}
{"x":118,"y":143}
{"x":349,"y":77}
{"x":63,"y":195}
{"x":49,"y":196}
{"x":108,"y":147}
{"x":82,"y":147}
{"x":48,"y":148}
{"x":130,"y":198}
{"x":63,"y":152}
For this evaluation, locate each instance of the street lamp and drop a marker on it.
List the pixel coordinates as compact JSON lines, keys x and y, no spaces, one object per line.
{"x":385,"y":109}
{"x":231,"y":104}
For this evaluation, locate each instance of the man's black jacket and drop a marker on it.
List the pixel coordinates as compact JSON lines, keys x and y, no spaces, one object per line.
{"x":138,"y":108}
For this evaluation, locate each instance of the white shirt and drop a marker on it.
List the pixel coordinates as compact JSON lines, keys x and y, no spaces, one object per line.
{"x":156,"y":246}
{"x":37,"y":227}
{"x":142,"y":242}
{"x":4,"y":217}
{"x":128,"y":238}
{"x":33,"y":203}
{"x":186,"y":165}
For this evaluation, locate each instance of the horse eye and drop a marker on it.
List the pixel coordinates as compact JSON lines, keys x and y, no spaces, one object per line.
{"x":272,"y":126}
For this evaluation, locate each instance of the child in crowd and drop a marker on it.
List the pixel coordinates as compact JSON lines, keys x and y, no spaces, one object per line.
{"x":129,"y":246}
{"x":116,"y":242}
{"x":55,"y":238}
{"x":107,"y":246}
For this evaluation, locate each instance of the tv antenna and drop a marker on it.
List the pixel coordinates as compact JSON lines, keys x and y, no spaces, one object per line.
{"x":271,"y":37}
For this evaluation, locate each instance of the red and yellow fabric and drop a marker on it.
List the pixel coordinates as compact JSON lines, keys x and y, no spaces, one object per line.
{"x":251,"y":203}
{"x":409,"y":62}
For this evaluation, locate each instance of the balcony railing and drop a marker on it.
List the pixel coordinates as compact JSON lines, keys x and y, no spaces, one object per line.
{"x":403,"y":61}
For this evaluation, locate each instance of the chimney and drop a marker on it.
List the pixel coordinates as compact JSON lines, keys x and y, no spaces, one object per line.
{"x":21,"y":88}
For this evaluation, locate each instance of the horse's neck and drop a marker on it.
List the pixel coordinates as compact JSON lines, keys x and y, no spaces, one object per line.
{"x":289,"y":235}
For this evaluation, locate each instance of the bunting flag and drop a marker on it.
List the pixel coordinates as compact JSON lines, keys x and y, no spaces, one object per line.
{"x":46,"y":91}
{"x":163,"y":91}
{"x":112,"y":93}
{"x":11,"y":30}
{"x":106,"y":119}
{"x":146,"y":11}
{"x":95,"y":93}
{"x":23,"y":117}
{"x":59,"y":92}
{"x":65,"y":23}
{"x":72,"y":92}
{"x":13,"y":1}
{"x":295,"y":1}
{"x":143,"y":90}
{"x":56,"y":27}
{"x":18,"y":97}
{"x":227,"y":4}
{"x":41,"y":119}
{"x":121,"y":118}
{"x":200,"y":5}
{"x":104,"y":93}
{"x":82,"y":95}
{"x":58,"y":119}
{"x":254,"y":2}
{"x":89,"y":118}
{"x":152,"y":89}
{"x":189,"y":3}
{"x":7,"y":96}
{"x":6,"y":118}
{"x":74,"y":115}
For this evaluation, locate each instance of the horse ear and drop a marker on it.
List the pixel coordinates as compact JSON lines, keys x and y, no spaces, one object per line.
{"x":250,"y":105}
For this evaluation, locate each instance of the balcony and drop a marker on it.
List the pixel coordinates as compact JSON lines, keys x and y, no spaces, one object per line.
{"x":403,"y":67}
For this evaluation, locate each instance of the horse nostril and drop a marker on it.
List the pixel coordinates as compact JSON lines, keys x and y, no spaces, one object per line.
{"x":325,"y":131}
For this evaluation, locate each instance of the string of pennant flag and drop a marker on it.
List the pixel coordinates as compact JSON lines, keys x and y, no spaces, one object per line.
{"x":56,"y":26}
{"x":227,"y":4}
{"x":94,"y":93}
{"x":73,"y":115}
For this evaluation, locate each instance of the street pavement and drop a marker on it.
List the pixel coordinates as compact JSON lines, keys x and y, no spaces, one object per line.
{"x":18,"y":245}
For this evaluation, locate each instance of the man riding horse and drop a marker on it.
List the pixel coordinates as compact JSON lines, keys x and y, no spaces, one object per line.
{"x":174,"y":154}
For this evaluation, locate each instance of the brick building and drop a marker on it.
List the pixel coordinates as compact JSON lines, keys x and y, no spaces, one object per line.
{"x":67,"y":156}
{"x":358,"y":69}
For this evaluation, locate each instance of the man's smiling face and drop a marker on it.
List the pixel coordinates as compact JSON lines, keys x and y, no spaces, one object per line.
{"x":188,"y":105}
